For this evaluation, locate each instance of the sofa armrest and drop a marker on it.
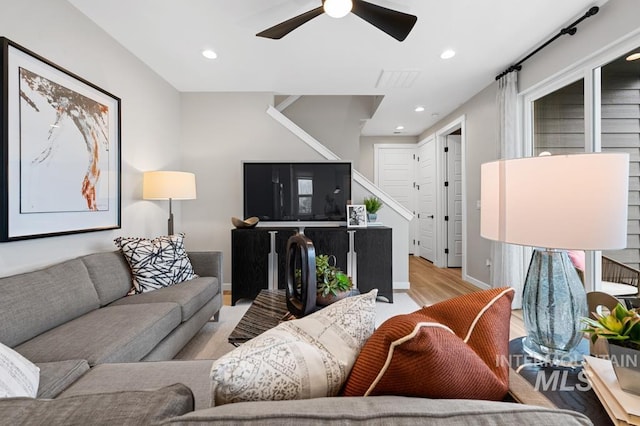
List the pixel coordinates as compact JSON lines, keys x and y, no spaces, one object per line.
{"x":207,"y":263}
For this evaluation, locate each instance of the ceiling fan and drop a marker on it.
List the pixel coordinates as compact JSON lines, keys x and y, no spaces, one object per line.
{"x":397,"y":24}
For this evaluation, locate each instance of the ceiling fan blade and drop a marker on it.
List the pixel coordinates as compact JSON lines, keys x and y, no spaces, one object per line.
{"x":397,"y":24}
{"x":282,"y":29}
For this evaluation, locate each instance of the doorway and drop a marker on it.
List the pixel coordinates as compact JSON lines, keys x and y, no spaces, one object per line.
{"x":453,"y":194}
{"x":428,"y":179}
{"x":394,"y":173}
{"x":426,"y":194}
{"x":450,"y":216}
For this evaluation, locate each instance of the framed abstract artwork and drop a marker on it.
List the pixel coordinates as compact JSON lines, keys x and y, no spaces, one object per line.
{"x":60,"y":156}
{"x":356,"y":216}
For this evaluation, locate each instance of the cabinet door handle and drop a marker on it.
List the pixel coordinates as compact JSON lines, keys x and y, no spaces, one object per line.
{"x":430,"y":216}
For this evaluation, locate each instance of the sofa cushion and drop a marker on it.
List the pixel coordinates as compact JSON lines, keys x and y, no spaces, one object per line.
{"x":18,"y":375}
{"x":157,"y":263}
{"x":190,"y":295}
{"x":299,"y":359}
{"x":206,"y":263}
{"x":110,"y":334}
{"x":120,"y":377}
{"x":119,"y":408}
{"x":35,"y":302}
{"x":57,"y":376}
{"x":110,"y":274}
{"x":447,"y":350}
{"x":380,"y":411}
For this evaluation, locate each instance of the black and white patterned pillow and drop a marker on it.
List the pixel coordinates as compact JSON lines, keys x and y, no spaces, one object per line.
{"x":157,"y":263}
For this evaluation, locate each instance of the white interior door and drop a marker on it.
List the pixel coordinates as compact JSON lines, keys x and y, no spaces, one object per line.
{"x":454,"y":201}
{"x":427,"y":200}
{"x":395,"y":176}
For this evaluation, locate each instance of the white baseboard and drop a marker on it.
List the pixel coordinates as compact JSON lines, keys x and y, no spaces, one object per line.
{"x":476,"y":282}
{"x":401,"y":285}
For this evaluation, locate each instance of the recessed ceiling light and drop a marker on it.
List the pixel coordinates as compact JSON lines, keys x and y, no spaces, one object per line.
{"x":399,"y":128}
{"x":448,"y":54}
{"x":633,"y":56}
{"x":419,"y":108}
{"x":209,"y":54}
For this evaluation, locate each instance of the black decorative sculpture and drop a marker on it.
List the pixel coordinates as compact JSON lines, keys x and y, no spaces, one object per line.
{"x":301,"y":276}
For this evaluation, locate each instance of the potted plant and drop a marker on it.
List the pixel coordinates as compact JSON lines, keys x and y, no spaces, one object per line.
{"x":333,"y":284}
{"x":372,"y":204}
{"x":621,"y":329}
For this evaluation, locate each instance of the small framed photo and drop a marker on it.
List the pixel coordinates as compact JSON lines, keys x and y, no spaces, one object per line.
{"x":356,"y":216}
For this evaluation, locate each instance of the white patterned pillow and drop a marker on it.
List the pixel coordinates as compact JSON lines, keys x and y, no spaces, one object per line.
{"x":160,"y":262}
{"x":18,"y":375}
{"x":305,"y":358}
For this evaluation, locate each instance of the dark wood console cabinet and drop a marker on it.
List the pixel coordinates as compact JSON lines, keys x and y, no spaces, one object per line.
{"x":254,"y":252}
{"x":258,"y":257}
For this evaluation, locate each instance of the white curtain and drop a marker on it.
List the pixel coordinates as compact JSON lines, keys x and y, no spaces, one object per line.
{"x":509,"y":266}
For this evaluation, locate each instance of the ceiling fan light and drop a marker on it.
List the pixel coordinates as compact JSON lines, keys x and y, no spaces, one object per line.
{"x":338,"y":8}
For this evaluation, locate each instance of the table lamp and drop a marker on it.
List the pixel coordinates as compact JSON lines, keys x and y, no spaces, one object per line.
{"x":556,"y":203}
{"x":169,"y":185}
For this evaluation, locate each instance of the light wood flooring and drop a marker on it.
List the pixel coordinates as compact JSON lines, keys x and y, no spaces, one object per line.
{"x":430,"y":285}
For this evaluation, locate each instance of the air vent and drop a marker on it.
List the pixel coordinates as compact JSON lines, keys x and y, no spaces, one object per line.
{"x":402,"y":79}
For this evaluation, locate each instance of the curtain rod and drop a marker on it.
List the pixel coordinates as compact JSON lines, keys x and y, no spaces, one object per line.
{"x":571,"y":30}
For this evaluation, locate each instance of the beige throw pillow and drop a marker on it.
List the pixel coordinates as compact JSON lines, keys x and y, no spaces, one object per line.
{"x":305,"y":358}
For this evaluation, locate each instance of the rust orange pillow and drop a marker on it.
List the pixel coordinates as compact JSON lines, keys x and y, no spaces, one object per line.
{"x":453,"y":349}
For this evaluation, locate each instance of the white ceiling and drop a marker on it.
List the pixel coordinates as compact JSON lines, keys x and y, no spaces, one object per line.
{"x":329,"y":56}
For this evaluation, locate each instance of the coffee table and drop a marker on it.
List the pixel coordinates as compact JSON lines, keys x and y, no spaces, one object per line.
{"x":566,"y":387}
{"x":267,"y":311}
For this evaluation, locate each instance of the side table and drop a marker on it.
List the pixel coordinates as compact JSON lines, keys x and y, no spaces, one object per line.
{"x":267,"y":311}
{"x":567,"y":387}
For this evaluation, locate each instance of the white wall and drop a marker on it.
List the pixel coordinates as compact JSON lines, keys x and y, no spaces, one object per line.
{"x":150,"y":121}
{"x":615,"y":19}
{"x":399,"y":239}
{"x":219,"y":131}
{"x":334,"y":121}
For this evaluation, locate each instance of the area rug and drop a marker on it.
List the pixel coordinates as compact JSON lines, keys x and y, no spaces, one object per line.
{"x":211,"y":341}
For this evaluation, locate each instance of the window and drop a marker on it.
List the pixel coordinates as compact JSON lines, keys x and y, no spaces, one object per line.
{"x":594,"y":107}
{"x":558,"y":121}
{"x":620,"y":132}
{"x":305,"y":195}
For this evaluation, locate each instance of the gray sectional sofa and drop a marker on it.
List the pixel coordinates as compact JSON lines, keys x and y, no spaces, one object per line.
{"x":79,"y":309}
{"x":76,"y":323}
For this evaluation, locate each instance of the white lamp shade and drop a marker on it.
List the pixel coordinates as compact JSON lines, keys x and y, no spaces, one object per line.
{"x":164,"y":185}
{"x":559,"y":201}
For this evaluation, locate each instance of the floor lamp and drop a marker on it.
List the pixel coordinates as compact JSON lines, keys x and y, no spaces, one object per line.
{"x":169,"y":185}
{"x":555,"y":203}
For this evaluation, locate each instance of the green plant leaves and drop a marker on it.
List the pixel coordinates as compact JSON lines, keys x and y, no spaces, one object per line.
{"x":329,"y":278}
{"x":372,"y":204}
{"x":621,"y":325}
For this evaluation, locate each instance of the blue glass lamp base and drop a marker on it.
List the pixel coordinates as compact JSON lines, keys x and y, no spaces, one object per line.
{"x":553,"y":303}
{"x":552,"y":356}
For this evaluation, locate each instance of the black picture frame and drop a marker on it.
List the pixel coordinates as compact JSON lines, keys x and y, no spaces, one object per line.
{"x":60,"y":156}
